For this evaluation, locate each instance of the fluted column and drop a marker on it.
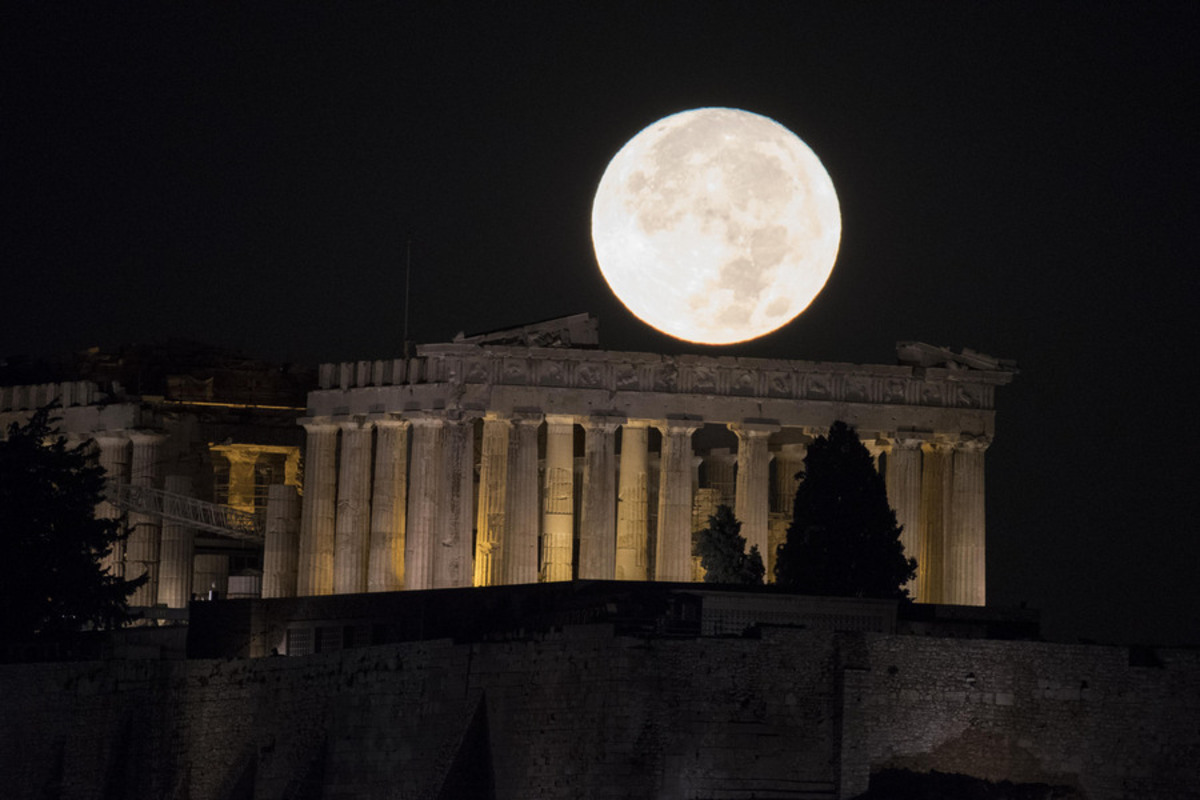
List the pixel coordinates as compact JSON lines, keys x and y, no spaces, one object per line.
{"x":558,"y":520}
{"x":633,"y":503}
{"x":145,"y":538}
{"x":178,"y":547}
{"x":965,"y":566}
{"x":453,"y":554}
{"x":720,"y":465}
{"x":281,"y":549}
{"x":673,"y":555}
{"x":903,"y":479}
{"x":752,"y":505}
{"x":352,"y":533}
{"x":319,"y":514}
{"x":389,"y":506}
{"x":598,"y":516}
{"x":520,"y":562}
{"x":789,"y":462}
{"x":423,"y":499}
{"x":493,"y":486}
{"x":114,"y":458}
{"x":937,"y":462}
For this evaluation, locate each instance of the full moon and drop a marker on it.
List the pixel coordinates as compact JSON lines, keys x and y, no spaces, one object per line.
{"x":716,"y":225}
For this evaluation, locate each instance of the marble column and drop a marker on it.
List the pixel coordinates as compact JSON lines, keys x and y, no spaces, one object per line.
{"x":281,"y":549}
{"x":493,"y":486}
{"x":143,"y":546}
{"x":937,"y":472}
{"x":520,"y":562}
{"x":633,"y":503}
{"x":318,"y":517}
{"x":965,"y":577}
{"x":352,"y":528}
{"x":673,"y":556}
{"x":558,"y":519}
{"x":903,"y":479}
{"x":423,"y":499}
{"x":720,"y":464}
{"x":114,"y":458}
{"x":752,"y":504}
{"x":454,"y":551}
{"x":789,"y":462}
{"x":598,"y":516}
{"x":389,"y":506}
{"x":178,"y":547}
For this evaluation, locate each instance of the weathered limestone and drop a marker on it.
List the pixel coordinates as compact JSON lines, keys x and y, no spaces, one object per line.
{"x":598,"y":517}
{"x":903,"y":479}
{"x":143,"y":546}
{"x":558,"y":527}
{"x":520,"y":561}
{"x":633,"y":503}
{"x":490,"y":519}
{"x":351,"y":550}
{"x":178,"y":548}
{"x":389,"y":506}
{"x":636,"y":522}
{"x":789,"y":462}
{"x":752,"y":504}
{"x":281,"y":548}
{"x":423,"y":499}
{"x":114,"y":458}
{"x":937,"y":473}
{"x":965,"y":573}
{"x":318,"y":520}
{"x":452,"y":556}
{"x":673,"y":554}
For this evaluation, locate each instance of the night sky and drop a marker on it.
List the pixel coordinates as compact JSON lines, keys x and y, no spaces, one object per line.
{"x":1015,"y":178}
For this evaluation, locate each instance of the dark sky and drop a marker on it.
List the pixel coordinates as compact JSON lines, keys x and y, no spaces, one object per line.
{"x":1015,"y":178}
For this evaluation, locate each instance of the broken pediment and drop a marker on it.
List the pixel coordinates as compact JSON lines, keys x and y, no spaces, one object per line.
{"x":919,"y":354}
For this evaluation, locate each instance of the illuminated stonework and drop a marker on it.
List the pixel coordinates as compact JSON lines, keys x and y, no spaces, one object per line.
{"x":634,"y":448}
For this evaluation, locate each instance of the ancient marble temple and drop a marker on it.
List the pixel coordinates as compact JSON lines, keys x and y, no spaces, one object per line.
{"x":532,"y":455}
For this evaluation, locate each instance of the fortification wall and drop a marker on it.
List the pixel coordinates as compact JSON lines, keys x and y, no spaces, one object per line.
{"x":585,"y":714}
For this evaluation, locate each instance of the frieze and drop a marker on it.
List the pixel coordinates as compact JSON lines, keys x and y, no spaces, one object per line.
{"x":555,"y":368}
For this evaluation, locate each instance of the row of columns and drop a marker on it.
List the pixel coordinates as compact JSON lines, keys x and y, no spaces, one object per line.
{"x":370,"y":525}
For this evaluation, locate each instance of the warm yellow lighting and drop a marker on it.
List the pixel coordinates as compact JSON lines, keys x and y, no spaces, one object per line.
{"x":716,"y":225}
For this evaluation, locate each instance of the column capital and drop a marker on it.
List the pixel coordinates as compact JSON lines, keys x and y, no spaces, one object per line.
{"x":527,"y":417}
{"x":391,"y":422}
{"x":678,"y":425}
{"x":755,"y":428}
{"x":426,"y":418}
{"x":607,"y":423}
{"x":119,"y":437}
{"x":973,"y":443}
{"x":721,"y":455}
{"x":318,"y":425}
{"x":147,"y":436}
{"x":355,"y":424}
{"x":907,"y":440}
{"x":560,"y":419}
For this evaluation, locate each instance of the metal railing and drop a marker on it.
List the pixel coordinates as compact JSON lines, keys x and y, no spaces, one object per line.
{"x":188,"y":511}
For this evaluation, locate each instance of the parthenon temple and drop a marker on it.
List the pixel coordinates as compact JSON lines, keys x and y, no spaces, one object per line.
{"x":531,"y":455}
{"x":513,"y":457}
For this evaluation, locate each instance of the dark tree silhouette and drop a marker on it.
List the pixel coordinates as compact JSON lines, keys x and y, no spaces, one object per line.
{"x":54,"y":542}
{"x":843,"y":540}
{"x":722,"y":551}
